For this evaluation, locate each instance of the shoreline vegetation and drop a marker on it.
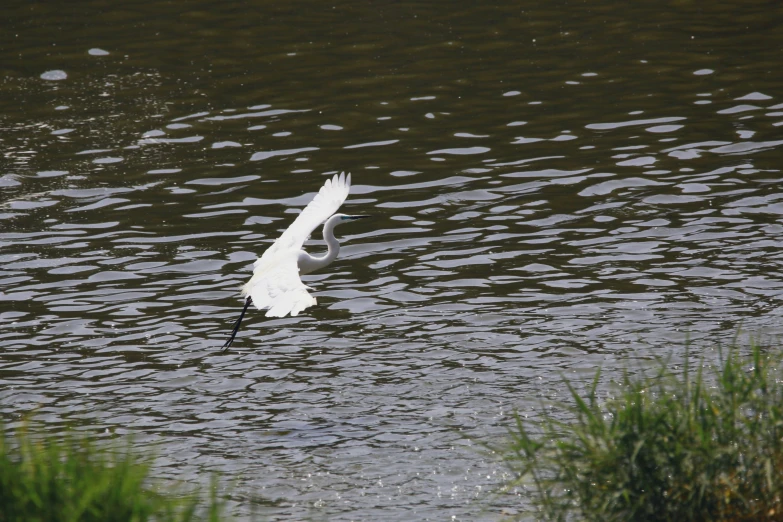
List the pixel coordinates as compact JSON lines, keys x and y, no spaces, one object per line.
{"x":69,"y":478}
{"x":699,"y":444}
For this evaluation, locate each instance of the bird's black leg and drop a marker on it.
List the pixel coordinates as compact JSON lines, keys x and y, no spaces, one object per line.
{"x":237,"y":324}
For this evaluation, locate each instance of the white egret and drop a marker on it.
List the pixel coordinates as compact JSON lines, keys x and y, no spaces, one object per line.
{"x":276,"y":284}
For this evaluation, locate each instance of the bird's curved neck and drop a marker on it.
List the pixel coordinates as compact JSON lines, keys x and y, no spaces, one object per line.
{"x":314,"y":263}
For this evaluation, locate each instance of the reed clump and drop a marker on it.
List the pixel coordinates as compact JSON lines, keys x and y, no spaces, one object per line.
{"x":69,"y":478}
{"x":695,"y":445}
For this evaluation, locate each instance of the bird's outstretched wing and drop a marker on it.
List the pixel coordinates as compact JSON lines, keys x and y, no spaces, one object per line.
{"x":323,"y":205}
{"x":276,"y":283}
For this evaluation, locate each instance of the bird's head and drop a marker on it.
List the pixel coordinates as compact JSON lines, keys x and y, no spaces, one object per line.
{"x":339,"y":219}
{"x":346,"y":217}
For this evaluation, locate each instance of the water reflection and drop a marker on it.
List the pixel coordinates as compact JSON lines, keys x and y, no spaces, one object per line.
{"x":532,"y":216}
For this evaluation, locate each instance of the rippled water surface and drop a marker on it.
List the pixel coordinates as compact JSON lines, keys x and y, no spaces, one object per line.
{"x":552,"y":189}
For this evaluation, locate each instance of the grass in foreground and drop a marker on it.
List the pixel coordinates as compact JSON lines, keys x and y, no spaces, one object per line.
{"x":669,"y":447}
{"x":43,"y":478}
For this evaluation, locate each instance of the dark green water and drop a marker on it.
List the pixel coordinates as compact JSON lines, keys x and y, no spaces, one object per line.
{"x":553,"y":188}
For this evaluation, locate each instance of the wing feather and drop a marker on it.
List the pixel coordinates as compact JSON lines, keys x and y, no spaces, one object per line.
{"x":324,"y":204}
{"x":276,"y":283}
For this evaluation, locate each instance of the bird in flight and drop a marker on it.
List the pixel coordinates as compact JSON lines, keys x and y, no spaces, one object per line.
{"x":276,"y":284}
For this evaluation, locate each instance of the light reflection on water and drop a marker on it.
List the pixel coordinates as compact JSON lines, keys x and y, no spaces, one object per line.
{"x":519,"y":233}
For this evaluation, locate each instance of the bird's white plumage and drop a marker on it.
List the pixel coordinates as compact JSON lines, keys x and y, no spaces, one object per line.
{"x":276,"y":284}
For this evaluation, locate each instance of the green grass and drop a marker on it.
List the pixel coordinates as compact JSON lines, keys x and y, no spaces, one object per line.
{"x":694,"y":445}
{"x":61,"y":479}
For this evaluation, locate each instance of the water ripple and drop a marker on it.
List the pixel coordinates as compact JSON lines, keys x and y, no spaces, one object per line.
{"x":640,"y":209}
